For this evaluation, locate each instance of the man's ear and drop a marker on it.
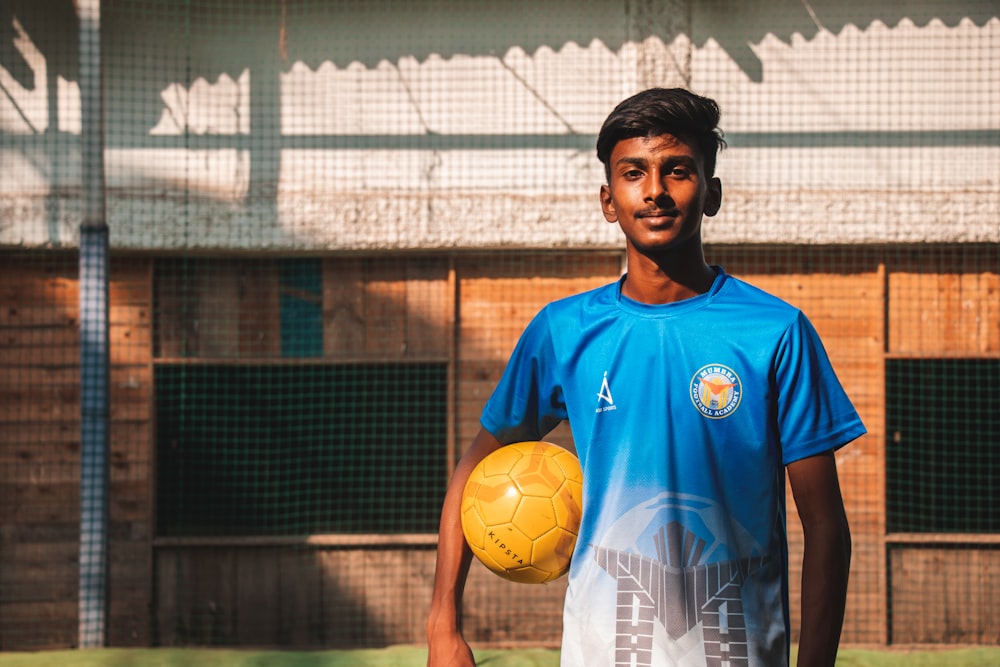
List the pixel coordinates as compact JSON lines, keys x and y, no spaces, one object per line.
{"x":608,"y":204}
{"x":713,"y":199}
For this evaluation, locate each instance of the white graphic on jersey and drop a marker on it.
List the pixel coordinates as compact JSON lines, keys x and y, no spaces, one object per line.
{"x":689,"y":589}
{"x":604,"y":396}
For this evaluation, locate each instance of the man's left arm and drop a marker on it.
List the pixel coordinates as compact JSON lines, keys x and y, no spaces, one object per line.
{"x":827,"y":558}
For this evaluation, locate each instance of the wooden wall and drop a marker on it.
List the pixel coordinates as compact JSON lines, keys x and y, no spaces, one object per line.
{"x":944,"y":588}
{"x":225,"y":309}
{"x":306,"y":596}
{"x":465,"y":311}
{"x":40,"y":452}
{"x":944,"y":594}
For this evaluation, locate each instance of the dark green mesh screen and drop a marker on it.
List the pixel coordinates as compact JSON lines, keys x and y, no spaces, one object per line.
{"x":942,"y":462}
{"x":292,"y":450}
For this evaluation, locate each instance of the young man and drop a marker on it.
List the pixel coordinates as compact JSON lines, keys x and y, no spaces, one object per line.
{"x":689,"y":393}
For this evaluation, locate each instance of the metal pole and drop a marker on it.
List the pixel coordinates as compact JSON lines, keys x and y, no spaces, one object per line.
{"x":94,"y":341}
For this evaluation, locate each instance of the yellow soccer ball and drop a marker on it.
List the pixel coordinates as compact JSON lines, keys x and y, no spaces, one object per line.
{"x":521,"y":511}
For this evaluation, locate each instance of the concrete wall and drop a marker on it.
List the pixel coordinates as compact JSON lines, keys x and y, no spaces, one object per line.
{"x":471,"y":124}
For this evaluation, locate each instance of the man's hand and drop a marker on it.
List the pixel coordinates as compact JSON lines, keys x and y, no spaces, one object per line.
{"x":449,"y":650}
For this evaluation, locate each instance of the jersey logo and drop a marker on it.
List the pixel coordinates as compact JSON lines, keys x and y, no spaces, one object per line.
{"x":605,"y":401}
{"x":716,"y":391}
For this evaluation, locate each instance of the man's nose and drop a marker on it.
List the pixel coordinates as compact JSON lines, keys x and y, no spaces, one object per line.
{"x":657,"y":193}
{"x":655,"y":189}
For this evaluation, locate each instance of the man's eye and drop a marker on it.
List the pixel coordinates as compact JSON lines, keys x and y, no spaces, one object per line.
{"x":632,"y":174}
{"x":680,"y":172}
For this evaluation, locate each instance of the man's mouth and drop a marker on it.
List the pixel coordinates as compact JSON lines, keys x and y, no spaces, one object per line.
{"x":657,"y":218}
{"x":658,"y":214}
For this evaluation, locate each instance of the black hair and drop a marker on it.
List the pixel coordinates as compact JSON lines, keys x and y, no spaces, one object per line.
{"x":659,"y":111}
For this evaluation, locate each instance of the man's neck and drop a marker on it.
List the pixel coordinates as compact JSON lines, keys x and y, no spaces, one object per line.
{"x":653,"y":282}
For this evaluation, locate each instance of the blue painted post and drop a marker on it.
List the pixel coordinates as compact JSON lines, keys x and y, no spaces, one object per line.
{"x":94,"y":341}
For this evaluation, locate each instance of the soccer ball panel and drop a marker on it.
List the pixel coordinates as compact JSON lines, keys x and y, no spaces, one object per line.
{"x":553,"y":551}
{"x":507,"y":547}
{"x":501,"y":461}
{"x":497,"y":497}
{"x":529,"y":575}
{"x":570,"y":465}
{"x":535,"y":516}
{"x":473,"y":526}
{"x":537,"y":474}
{"x":568,"y":505}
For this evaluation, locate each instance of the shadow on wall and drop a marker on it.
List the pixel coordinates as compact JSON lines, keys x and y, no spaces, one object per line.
{"x":218,"y":162}
{"x":180,"y":42}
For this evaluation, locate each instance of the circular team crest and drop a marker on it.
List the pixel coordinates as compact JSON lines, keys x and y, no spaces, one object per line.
{"x":716,"y":391}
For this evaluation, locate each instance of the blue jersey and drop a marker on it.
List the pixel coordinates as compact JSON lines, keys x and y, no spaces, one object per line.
{"x":683,"y":416}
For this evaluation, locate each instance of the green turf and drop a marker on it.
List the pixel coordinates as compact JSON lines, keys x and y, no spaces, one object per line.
{"x":408,"y":656}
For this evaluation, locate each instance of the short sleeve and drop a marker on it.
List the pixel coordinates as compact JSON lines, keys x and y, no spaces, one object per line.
{"x":528,"y":401}
{"x":813,"y":411}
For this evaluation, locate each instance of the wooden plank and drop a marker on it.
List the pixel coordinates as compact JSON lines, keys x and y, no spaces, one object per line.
{"x":128,"y":622}
{"x":196,"y":598}
{"x":963,"y":585}
{"x":387,"y":604}
{"x":55,"y":376}
{"x":47,"y":463}
{"x":300,"y":598}
{"x":944,"y":301}
{"x":219,"y":308}
{"x":129,"y":570}
{"x":348,"y":623}
{"x":38,"y":626}
{"x":216,"y":612}
{"x":39,"y":580}
{"x":259,"y":311}
{"x":343,"y":308}
{"x":385,"y":308}
{"x":39,"y":441}
{"x":50,"y":282}
{"x":129,"y":581}
{"x":130,"y":334}
{"x":171,"y":303}
{"x":216,"y":290}
{"x":421,"y":577}
{"x":256,"y":593}
{"x":40,"y":501}
{"x":51,"y":346}
{"x":165,"y":602}
{"x":37,"y":315}
{"x":41,"y":570}
{"x":429,"y":308}
{"x":126,"y":331}
{"x":43,"y":443}
{"x":129,"y":498}
{"x":57,"y":443}
{"x":18,"y":475}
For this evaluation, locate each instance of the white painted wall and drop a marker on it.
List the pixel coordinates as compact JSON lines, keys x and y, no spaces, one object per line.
{"x":457,"y":128}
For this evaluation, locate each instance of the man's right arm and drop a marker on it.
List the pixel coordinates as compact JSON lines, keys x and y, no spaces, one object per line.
{"x":446,"y":645}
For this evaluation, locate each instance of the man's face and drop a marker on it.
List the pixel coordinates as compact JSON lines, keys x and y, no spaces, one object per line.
{"x":657,"y":192}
